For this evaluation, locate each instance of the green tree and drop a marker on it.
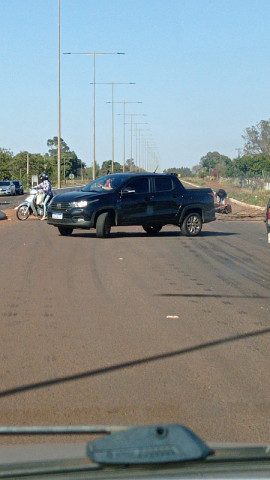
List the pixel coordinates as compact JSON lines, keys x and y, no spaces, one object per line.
{"x":214,"y":163}
{"x":249,"y":165}
{"x":130,"y":165}
{"x":52,"y":144}
{"x":211,"y":159}
{"x":6,"y":157}
{"x":257,"y":138}
{"x":70,"y":163}
{"x":106,"y":168}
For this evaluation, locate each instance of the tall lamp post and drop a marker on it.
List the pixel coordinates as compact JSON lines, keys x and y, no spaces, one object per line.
{"x":112,"y":102}
{"x":131,"y":115}
{"x":59,"y":108}
{"x":124,"y":131}
{"x":136,"y":135}
{"x":94,"y":54}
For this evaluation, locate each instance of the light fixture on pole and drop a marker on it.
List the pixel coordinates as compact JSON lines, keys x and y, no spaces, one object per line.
{"x":94,"y":54}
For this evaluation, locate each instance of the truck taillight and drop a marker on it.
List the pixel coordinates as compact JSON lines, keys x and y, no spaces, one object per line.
{"x":268,"y":213}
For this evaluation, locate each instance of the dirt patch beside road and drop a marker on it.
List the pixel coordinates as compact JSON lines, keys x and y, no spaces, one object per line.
{"x":242,"y":212}
{"x":11,"y":217}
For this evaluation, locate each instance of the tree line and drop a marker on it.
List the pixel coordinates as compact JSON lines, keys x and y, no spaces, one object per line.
{"x":252,"y":161}
{"x":14,"y":167}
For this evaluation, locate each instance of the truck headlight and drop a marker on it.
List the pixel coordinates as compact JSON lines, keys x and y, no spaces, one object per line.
{"x":81,"y":204}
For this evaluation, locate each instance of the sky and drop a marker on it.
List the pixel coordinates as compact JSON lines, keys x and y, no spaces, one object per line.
{"x":201,"y":69}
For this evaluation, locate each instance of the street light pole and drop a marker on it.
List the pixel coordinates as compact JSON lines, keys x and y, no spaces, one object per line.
{"x":136,"y":135}
{"x":124,"y":130}
{"x":94,"y":54}
{"x":112,"y":102}
{"x":59,"y":108}
{"x":131,"y":115}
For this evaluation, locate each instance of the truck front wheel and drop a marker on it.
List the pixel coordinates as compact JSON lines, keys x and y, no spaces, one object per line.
{"x":103,"y":225}
{"x":192,"y":225}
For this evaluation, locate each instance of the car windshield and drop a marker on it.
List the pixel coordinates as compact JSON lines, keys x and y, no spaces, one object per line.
{"x":4,"y":184}
{"x":109,"y":182}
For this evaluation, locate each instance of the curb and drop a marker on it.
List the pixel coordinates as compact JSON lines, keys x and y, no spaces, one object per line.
{"x":262,"y":209}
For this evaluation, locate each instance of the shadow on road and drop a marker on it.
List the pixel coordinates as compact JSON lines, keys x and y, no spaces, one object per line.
{"x":206,"y":295}
{"x":145,"y":235}
{"x":129,"y":364}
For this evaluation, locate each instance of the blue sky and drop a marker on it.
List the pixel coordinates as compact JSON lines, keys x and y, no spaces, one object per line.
{"x":201,"y":67}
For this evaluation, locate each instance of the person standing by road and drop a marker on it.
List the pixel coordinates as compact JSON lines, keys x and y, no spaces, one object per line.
{"x":46,"y":186}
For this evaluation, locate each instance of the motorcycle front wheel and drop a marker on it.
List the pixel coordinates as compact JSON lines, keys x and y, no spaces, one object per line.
{"x":23,"y":212}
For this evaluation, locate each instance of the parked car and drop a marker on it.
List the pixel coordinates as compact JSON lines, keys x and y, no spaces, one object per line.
{"x":7,"y":188}
{"x":268,"y":221}
{"x":149,"y":200}
{"x":18,"y":187}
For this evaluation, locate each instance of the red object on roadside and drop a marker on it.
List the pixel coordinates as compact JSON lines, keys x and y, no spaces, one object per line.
{"x":268,"y":216}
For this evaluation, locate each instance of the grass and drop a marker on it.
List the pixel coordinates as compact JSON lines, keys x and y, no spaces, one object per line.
{"x":251,"y":197}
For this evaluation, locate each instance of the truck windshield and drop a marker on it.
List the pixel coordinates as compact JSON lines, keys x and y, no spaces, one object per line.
{"x":109,"y":182}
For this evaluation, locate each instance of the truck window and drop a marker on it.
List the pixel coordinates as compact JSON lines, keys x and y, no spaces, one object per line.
{"x":163,"y":184}
{"x":140,"y":185}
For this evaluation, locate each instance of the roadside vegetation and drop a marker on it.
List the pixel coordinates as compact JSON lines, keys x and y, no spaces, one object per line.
{"x":14,"y":167}
{"x":246,"y":178}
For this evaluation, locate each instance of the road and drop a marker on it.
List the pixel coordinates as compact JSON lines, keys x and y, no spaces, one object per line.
{"x":136,"y":329}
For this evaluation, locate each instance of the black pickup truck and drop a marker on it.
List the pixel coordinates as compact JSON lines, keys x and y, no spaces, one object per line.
{"x":151,"y":200}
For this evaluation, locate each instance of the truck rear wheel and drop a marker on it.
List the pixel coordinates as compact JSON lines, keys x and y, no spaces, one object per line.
{"x":192,"y":225}
{"x":152,"y":229}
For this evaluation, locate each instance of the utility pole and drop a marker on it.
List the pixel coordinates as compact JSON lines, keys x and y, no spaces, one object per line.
{"x":27,"y":168}
{"x":59,"y":107}
{"x":94,"y":54}
{"x":124,"y":131}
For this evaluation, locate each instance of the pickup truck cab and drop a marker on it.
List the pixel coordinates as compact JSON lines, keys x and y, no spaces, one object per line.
{"x":147,"y":199}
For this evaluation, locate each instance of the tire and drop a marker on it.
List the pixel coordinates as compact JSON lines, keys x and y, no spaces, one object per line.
{"x":23,"y":212}
{"x":65,"y":231}
{"x":152,"y":229}
{"x":103,"y":225}
{"x":192,"y":225}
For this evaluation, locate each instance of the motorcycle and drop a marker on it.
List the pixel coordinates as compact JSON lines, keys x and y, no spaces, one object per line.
{"x":33,"y":205}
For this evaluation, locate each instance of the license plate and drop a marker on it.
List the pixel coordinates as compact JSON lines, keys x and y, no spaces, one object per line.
{"x":57,"y":216}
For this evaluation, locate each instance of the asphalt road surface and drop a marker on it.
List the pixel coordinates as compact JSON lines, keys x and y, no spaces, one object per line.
{"x":137,"y":329}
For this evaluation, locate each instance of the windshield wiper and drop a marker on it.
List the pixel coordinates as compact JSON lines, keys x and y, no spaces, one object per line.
{"x":149,"y":444}
{"x":61,"y":430}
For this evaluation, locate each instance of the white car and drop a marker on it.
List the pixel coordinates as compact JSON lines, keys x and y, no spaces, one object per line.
{"x":7,"y":188}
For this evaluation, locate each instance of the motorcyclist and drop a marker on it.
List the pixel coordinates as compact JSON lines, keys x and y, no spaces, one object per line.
{"x":46,"y":186}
